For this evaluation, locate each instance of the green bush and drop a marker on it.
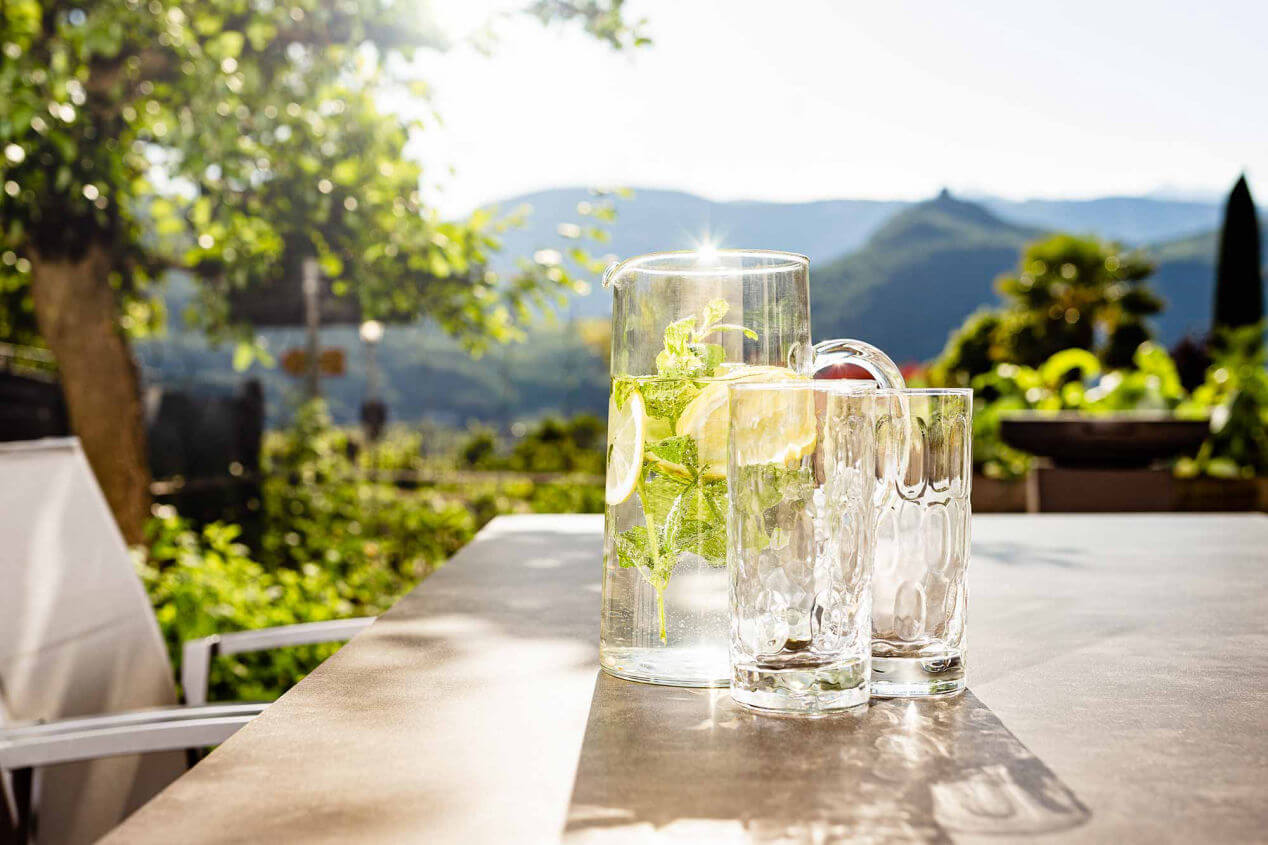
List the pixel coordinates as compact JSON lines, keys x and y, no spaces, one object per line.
{"x":555,"y":445}
{"x":319,"y":507}
{"x":1067,"y":292}
{"x":1236,"y":393}
{"x":1234,"y":396}
{"x":1071,"y":380}
{"x":567,"y":497}
{"x":480,"y":450}
{"x":551,"y":445}
{"x":337,"y":540}
{"x":204,"y":582}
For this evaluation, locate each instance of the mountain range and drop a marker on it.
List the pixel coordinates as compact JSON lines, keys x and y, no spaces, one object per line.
{"x":945,"y":255}
{"x":871,"y":261}
{"x":916,"y":277}
{"x":898,"y":274}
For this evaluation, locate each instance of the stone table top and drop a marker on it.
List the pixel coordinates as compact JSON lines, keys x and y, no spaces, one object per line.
{"x":1118,"y":677}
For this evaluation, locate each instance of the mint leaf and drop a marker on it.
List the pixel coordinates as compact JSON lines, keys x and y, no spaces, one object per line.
{"x":661,"y":568}
{"x":678,"y":334}
{"x":631,"y":547}
{"x":710,"y":355}
{"x":706,"y":539}
{"x":760,"y":491}
{"x":666,"y":398}
{"x":713,"y":499}
{"x":686,"y":355}
{"x":659,"y":494}
{"x":713,"y":312}
{"x":679,"y":449}
{"x":704,"y":501}
{"x":685,"y":365}
{"x":696,"y":522}
{"x":621,"y":390}
{"x":763,"y":486}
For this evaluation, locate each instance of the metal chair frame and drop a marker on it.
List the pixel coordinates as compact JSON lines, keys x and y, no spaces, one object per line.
{"x":24,"y":748}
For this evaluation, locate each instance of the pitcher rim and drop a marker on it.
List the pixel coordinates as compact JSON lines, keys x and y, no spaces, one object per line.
{"x":791,"y":261}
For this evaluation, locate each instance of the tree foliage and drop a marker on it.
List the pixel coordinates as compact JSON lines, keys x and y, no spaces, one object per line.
{"x":235,"y":138}
{"x":1068,"y":292}
{"x":1239,"y":282}
{"x":1236,"y":391}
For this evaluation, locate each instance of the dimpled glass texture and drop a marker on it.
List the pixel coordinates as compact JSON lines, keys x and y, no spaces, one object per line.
{"x":801,"y":534}
{"x":919,"y":593}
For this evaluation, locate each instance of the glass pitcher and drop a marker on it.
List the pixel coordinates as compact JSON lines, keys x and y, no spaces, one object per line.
{"x":685,"y":325}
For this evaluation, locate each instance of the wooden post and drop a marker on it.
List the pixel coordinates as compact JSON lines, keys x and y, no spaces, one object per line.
{"x":312,"y":322}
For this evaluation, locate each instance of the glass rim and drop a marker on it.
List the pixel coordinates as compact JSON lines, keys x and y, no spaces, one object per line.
{"x":851,"y":386}
{"x":822,"y":385}
{"x":963,"y":392}
{"x":640,"y":263}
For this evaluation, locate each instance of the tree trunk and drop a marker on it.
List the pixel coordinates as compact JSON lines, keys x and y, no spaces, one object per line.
{"x":77,"y":313}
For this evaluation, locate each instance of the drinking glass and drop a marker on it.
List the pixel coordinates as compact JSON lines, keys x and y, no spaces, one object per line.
{"x":800,"y":543}
{"x":919,"y":594}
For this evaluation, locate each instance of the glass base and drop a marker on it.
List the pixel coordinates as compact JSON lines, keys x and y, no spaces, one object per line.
{"x":803,"y":690}
{"x":670,"y":667}
{"x":918,"y":677}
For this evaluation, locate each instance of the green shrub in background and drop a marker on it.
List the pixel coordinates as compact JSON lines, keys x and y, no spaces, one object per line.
{"x":1071,"y":380}
{"x":577,"y":445}
{"x":1236,"y":392}
{"x":204,"y":582}
{"x":480,"y":450}
{"x":1067,"y":292}
{"x":320,"y":507}
{"x":1234,"y":396}
{"x":338,"y":537}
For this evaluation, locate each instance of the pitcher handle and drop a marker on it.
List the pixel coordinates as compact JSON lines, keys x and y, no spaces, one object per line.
{"x":846,"y":351}
{"x":893,"y":422}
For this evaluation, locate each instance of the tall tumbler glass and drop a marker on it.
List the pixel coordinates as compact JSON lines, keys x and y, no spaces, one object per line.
{"x":919,"y":594}
{"x":800,"y":543}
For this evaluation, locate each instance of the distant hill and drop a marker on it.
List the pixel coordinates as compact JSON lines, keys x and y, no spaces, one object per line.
{"x":653,"y":220}
{"x":947,"y":254}
{"x":1186,"y":280}
{"x":425,"y":374}
{"x":1133,"y":220}
{"x":933,"y":264}
{"x":917,"y":277}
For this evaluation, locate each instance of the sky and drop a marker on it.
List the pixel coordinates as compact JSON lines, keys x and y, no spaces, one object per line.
{"x":794,"y":100}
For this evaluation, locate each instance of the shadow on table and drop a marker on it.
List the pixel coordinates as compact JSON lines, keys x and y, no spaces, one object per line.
{"x":691,"y":764}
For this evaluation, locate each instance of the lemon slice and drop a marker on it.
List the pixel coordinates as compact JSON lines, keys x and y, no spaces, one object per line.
{"x":705,"y":418}
{"x":627,"y":429}
{"x":779,"y":426}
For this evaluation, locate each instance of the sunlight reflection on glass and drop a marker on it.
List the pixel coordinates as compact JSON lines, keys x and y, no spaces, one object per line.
{"x":707,"y":252}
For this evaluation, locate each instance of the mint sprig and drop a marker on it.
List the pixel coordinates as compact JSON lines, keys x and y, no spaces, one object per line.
{"x":686,"y":354}
{"x":683,"y":512}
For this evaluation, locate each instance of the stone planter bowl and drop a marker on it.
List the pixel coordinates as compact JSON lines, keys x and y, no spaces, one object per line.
{"x":1123,"y":439}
